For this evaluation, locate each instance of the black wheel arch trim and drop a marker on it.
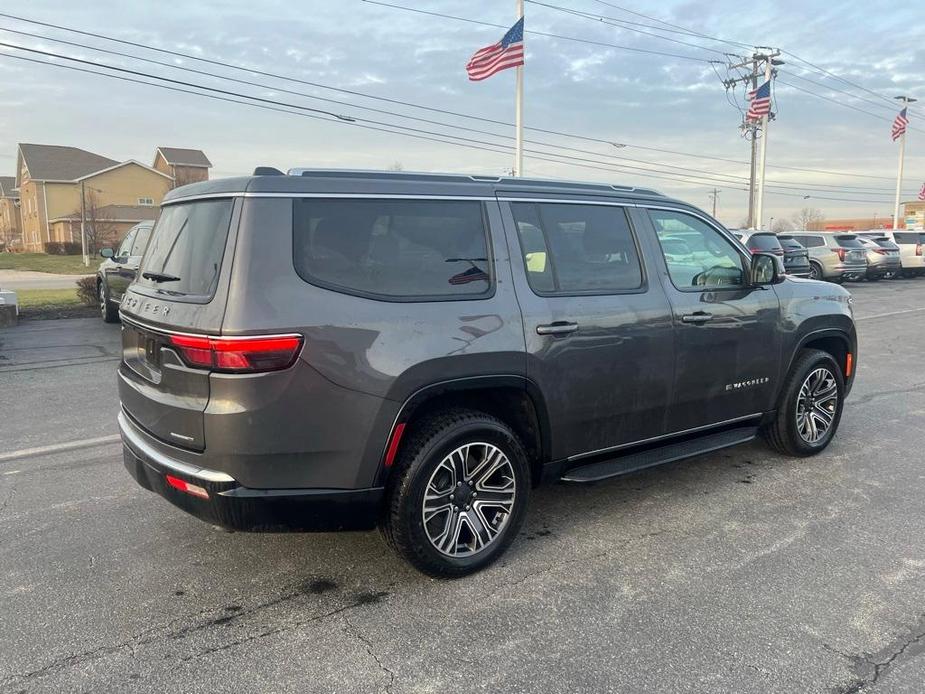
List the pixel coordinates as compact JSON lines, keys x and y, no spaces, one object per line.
{"x":468,"y":383}
{"x":850,"y":345}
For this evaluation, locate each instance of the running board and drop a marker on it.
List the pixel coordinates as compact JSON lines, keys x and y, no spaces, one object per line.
{"x":631,"y":462}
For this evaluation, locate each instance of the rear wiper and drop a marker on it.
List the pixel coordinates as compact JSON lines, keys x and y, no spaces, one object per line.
{"x":159,"y":277}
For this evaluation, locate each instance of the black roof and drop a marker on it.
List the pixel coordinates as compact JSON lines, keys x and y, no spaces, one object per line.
{"x":400,"y":182}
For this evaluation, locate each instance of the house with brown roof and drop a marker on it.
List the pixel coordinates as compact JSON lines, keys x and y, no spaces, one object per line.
{"x":55,"y":182}
{"x":183,"y":165}
{"x":10,"y":229}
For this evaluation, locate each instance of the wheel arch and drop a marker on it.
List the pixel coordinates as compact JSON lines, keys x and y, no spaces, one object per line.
{"x":833,"y":341}
{"x":515,"y":400}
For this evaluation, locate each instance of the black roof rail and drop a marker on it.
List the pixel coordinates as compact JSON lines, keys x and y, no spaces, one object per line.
{"x":267,"y":171}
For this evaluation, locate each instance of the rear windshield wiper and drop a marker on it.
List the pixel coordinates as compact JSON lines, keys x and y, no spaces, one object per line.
{"x":159,"y":277}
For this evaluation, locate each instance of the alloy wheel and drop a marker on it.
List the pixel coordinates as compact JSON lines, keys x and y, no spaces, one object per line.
{"x":817,"y":404}
{"x":469,"y":499}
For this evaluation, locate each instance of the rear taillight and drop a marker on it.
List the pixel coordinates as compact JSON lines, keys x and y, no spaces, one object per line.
{"x":879,"y":250}
{"x":918,"y":249}
{"x":841,"y":253}
{"x":238,"y":354}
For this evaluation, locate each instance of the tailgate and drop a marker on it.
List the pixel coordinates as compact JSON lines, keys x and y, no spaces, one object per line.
{"x":181,"y":289}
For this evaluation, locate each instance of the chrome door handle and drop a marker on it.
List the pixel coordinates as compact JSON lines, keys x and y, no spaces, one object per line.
{"x":560,"y":327}
{"x":697,"y":318}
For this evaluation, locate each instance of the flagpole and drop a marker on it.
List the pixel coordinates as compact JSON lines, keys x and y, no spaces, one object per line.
{"x":519,"y":110}
{"x":759,"y":204}
{"x":899,"y":179}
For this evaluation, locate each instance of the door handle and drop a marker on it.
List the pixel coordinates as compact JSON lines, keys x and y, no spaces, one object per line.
{"x":560,"y":327}
{"x":697,"y":318}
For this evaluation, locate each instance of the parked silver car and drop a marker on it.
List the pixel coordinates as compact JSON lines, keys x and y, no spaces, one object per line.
{"x":882,"y":256}
{"x":911,"y":244}
{"x":835,"y":257}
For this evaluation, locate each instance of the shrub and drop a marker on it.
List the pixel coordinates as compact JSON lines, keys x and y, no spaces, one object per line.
{"x":86,"y":290}
{"x":62,"y":248}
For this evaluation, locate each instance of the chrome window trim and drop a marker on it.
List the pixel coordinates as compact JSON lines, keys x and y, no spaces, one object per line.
{"x":363,"y":196}
{"x":567,"y":201}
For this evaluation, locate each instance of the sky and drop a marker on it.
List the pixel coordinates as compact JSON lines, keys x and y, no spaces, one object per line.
{"x":623,"y":104}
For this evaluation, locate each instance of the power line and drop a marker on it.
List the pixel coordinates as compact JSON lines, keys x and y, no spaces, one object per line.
{"x":708,"y":175}
{"x":839,"y":77}
{"x":403,"y":103}
{"x":388,"y":128}
{"x":536,"y":33}
{"x":836,"y":89}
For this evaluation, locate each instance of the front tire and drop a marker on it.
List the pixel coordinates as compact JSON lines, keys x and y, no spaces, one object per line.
{"x":810,"y":406}
{"x":458,"y":494}
{"x":108,"y":313}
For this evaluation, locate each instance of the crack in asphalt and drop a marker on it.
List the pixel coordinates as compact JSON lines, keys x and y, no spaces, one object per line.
{"x":353,"y":631}
{"x":869,"y":669}
{"x":167,"y":633}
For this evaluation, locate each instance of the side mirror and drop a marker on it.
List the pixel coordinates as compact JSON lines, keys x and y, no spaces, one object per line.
{"x":106,"y":252}
{"x":764,"y":269}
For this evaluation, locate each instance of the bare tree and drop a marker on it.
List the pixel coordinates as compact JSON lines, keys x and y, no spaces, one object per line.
{"x":100,"y":229}
{"x":781,"y":225}
{"x":807,"y":216}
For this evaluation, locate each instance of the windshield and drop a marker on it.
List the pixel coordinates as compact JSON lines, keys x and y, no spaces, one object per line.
{"x":185,"y":251}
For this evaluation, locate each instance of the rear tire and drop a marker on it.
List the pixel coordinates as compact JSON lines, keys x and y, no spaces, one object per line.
{"x":458,"y":494}
{"x":815,"y":271}
{"x":810,"y":406}
{"x":108,"y":312}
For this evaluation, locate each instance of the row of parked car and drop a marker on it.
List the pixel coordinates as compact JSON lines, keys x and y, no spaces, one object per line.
{"x":843,"y":256}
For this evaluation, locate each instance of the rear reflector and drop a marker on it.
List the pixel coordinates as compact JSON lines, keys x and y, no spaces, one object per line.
{"x":184,"y":486}
{"x":393,"y":444}
{"x":238,"y":354}
{"x":849,"y":364}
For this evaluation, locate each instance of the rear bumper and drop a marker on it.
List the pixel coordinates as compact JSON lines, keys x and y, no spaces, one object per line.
{"x":234,"y":506}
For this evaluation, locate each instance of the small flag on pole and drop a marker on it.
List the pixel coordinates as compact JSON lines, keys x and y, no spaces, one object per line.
{"x":899,"y":125}
{"x":922,"y":192}
{"x":759,"y":102}
{"x":508,"y":52}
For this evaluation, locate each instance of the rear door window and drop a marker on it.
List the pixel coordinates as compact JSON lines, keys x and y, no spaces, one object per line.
{"x":393,"y":249}
{"x":186,"y":248}
{"x":577,"y":248}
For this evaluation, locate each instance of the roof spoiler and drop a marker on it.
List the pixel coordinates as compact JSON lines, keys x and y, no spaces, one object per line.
{"x":267,"y":171}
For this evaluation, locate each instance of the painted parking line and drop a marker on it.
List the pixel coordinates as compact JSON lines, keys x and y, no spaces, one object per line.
{"x":890,"y":313}
{"x":59,"y":447}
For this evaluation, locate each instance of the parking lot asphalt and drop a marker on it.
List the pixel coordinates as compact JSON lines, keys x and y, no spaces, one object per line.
{"x":741,"y":571}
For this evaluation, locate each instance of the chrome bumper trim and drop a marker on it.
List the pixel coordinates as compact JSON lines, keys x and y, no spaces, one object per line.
{"x":135,"y":441}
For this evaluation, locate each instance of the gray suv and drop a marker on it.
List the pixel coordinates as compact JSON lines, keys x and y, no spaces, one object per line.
{"x":835,"y":257}
{"x":343,"y":350}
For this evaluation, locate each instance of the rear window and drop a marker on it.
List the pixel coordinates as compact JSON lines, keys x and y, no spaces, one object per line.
{"x":185,"y":251}
{"x":791,"y":244}
{"x":848,"y":241}
{"x":886,"y":243}
{"x":763,"y":242}
{"x":907,"y":237}
{"x":393,"y":249}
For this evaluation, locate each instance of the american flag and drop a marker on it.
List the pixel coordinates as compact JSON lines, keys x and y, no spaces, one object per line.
{"x":508,"y":52}
{"x":922,"y":192}
{"x":473,"y":274}
{"x":759,"y":102}
{"x":899,"y":125}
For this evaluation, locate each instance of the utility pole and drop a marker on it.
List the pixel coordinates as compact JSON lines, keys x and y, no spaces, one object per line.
{"x":83,"y":224}
{"x":905,"y":101}
{"x":714,"y":195}
{"x":763,"y":59}
{"x":759,"y":203}
{"x":519,"y":110}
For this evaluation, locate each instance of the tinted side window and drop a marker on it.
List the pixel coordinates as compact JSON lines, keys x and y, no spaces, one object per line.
{"x":697,"y":255}
{"x":905,"y":237}
{"x":571,"y":249}
{"x":401,"y":249}
{"x":126,"y":244}
{"x":811,"y":241}
{"x":141,"y":240}
{"x":764,"y":242}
